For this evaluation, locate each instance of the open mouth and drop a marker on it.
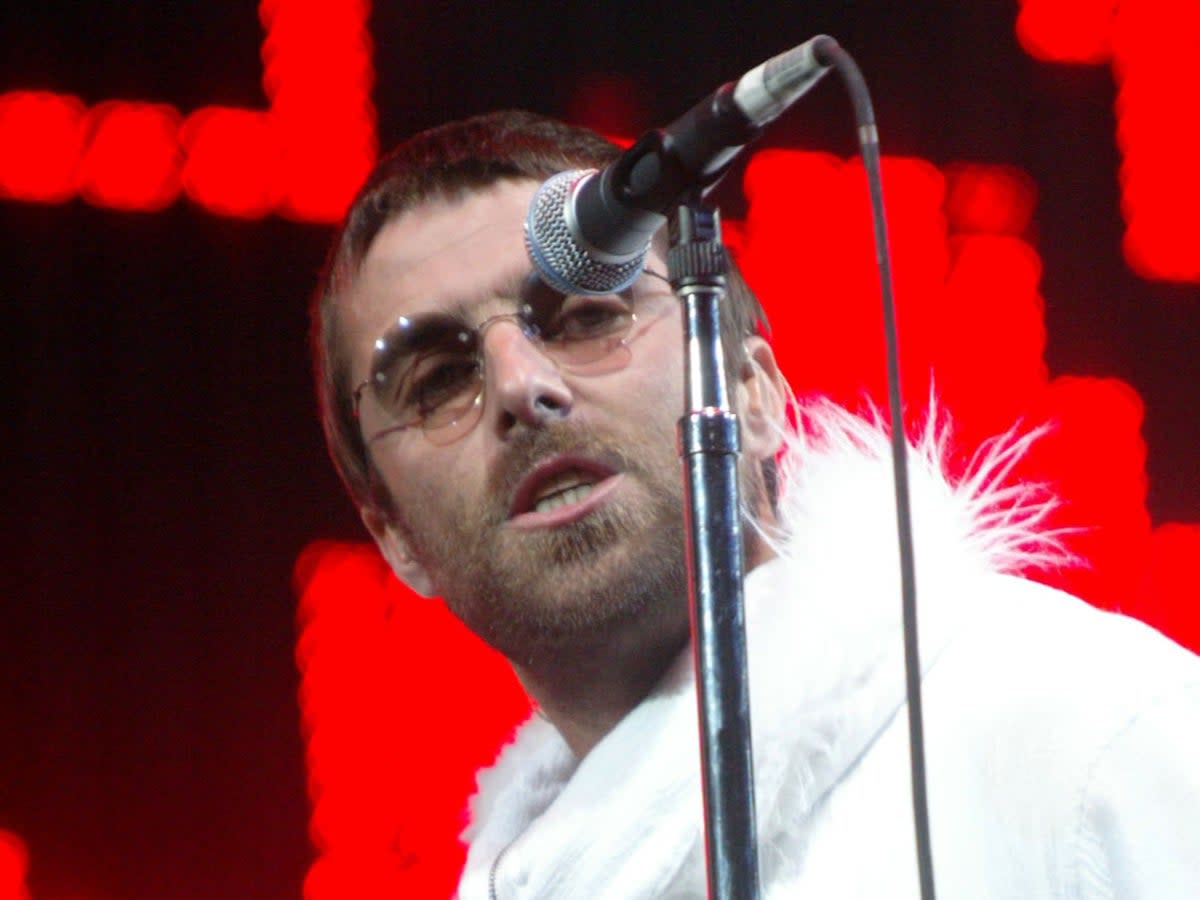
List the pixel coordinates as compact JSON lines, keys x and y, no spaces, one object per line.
{"x":563,"y":489}
{"x":563,"y":485}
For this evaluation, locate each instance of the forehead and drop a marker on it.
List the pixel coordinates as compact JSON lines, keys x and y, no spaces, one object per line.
{"x":439,"y":255}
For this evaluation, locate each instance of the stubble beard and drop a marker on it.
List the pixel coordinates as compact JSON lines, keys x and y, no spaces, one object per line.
{"x":539,"y":595}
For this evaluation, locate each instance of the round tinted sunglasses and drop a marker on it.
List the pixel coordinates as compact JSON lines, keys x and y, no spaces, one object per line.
{"x":428,"y":370}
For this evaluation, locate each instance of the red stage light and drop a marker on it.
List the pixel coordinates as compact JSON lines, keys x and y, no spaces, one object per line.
{"x":1077,"y":31}
{"x":989,"y":199}
{"x":1167,"y":599}
{"x":1094,"y":461}
{"x":343,"y":155}
{"x":41,"y":141}
{"x":323,"y":114}
{"x":988,"y":334}
{"x":303,"y":157}
{"x":132,"y":156}
{"x":231,"y":162}
{"x":1157,"y":64}
{"x":1154,"y":46}
{"x":388,"y":778}
{"x":14,"y":866}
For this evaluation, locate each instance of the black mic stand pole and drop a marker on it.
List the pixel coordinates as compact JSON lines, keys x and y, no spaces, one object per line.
{"x":709,"y":447}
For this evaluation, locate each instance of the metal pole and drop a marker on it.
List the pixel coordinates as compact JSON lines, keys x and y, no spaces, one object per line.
{"x":709,"y":449}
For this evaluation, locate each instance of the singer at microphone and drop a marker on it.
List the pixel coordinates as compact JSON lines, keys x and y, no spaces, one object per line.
{"x":518,"y":460}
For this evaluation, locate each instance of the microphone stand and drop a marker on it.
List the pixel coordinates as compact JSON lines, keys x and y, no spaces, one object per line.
{"x":709,"y":448}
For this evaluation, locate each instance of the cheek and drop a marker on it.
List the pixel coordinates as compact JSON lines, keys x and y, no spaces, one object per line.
{"x":657,"y":369}
{"x":403,"y":480}
{"x":432,"y":486}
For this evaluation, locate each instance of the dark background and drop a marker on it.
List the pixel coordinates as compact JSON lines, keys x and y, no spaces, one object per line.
{"x":164,"y":465}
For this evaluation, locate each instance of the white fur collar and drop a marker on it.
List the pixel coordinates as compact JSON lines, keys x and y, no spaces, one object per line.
{"x":826,"y":674}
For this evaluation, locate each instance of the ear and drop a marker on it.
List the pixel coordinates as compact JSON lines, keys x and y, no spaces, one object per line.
{"x":394,"y":547}
{"x":761,"y":400}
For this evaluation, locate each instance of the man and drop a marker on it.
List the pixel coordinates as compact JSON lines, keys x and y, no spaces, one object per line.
{"x":513,"y":452}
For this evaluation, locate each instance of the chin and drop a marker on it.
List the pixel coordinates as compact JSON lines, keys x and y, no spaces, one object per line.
{"x":584,"y":600}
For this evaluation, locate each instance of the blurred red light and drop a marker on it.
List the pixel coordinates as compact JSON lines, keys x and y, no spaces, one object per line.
{"x":323,"y":166}
{"x":1154,"y":46}
{"x":14,"y":866}
{"x":1094,"y":460}
{"x":389,"y":778}
{"x":1157,"y":62}
{"x":1074,"y":31}
{"x":1167,"y":599}
{"x":232,"y":161}
{"x":810,"y":256}
{"x":41,"y":141}
{"x":303,"y":157}
{"x":132,"y":157}
{"x":989,"y":199}
{"x":987,"y":335}
{"x":323,"y":114}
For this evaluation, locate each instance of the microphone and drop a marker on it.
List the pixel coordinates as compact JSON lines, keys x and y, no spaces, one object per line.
{"x":588,"y":232}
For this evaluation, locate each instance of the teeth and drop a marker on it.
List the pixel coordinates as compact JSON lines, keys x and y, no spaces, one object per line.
{"x":562,"y":498}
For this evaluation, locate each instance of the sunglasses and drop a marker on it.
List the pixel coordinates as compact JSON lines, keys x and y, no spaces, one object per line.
{"x":428,"y":370}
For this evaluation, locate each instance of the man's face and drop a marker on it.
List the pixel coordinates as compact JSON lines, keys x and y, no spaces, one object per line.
{"x":556,"y":521}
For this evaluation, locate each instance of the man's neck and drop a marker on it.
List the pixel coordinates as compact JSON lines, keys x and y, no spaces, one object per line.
{"x":585,"y":695}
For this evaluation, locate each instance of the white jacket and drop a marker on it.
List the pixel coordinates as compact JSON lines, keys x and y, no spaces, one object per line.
{"x":1062,"y":743}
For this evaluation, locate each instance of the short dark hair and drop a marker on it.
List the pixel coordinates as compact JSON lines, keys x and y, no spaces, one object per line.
{"x":448,"y":163}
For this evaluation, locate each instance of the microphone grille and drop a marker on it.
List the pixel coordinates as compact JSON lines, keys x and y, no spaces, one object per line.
{"x":559,"y":254}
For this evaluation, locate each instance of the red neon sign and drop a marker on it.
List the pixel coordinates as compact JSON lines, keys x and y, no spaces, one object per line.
{"x":302,"y":157}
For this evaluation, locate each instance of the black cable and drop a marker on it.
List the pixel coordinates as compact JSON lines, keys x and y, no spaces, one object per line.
{"x":828,"y":51}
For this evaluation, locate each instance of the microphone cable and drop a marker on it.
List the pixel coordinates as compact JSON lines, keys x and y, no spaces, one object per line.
{"x":831,"y":53}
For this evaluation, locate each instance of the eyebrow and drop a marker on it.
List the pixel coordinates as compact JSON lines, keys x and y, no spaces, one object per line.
{"x":520,"y":286}
{"x":512,"y":287}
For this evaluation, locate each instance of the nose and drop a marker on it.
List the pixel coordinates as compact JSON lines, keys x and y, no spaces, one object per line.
{"x":524,"y":384}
